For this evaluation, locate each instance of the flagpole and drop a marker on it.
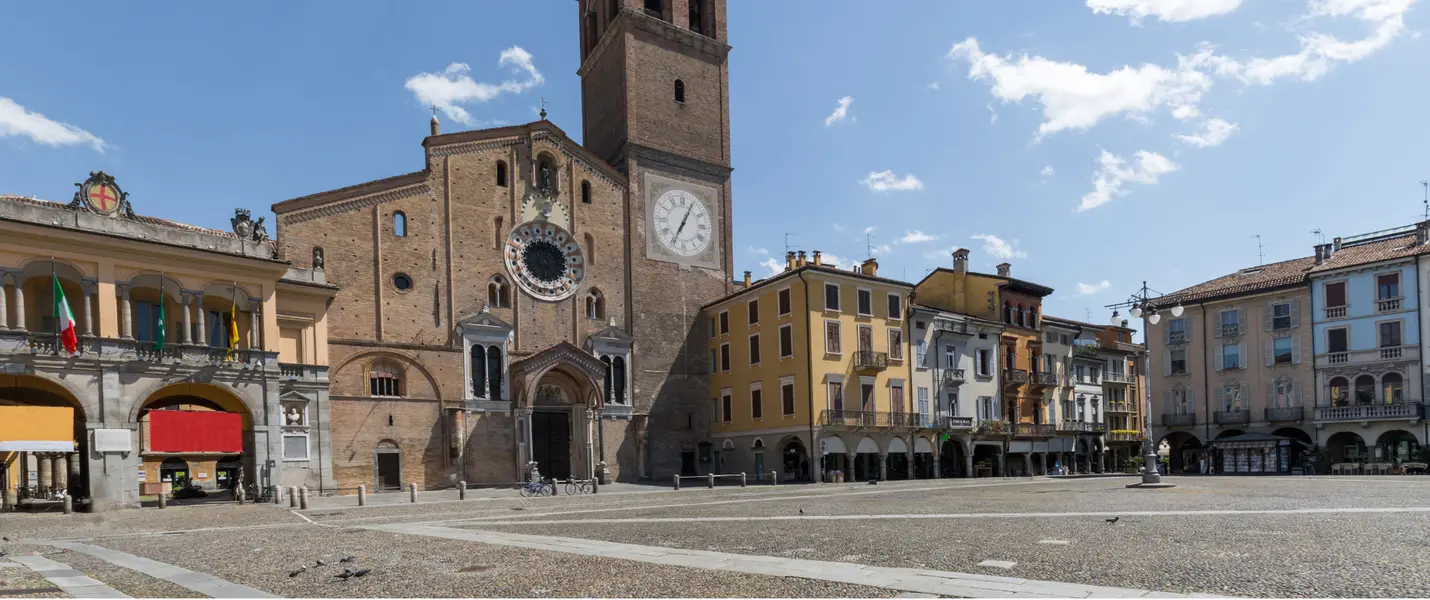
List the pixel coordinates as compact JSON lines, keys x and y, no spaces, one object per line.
{"x":233,"y":321}
{"x":55,"y":305}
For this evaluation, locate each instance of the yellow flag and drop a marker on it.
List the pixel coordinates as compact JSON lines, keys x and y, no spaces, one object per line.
{"x":232,"y":330}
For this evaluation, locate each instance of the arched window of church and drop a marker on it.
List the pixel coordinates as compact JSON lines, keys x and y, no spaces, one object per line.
{"x":384,"y":378}
{"x":399,"y":224}
{"x":618,"y":373}
{"x":494,"y":373}
{"x":501,"y":173}
{"x":586,"y":192}
{"x":607,"y":383}
{"x":498,"y":292}
{"x":595,"y":304}
{"x":680,"y":91}
{"x":479,"y":371}
{"x":590,"y":250}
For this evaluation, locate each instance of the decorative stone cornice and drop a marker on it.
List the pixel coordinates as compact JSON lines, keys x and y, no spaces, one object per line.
{"x":470,"y":147}
{"x":356,"y":203}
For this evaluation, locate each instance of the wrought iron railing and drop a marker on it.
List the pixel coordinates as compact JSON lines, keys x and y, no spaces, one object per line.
{"x":1124,"y":436}
{"x":1183,"y":420}
{"x":1045,"y":378}
{"x":1285,"y":413}
{"x":1081,"y":427}
{"x":1033,"y":429}
{"x":1121,"y":407}
{"x":869,"y":359}
{"x":1176,"y":337}
{"x":1015,"y":376}
{"x":869,"y":418}
{"x":1232,"y":417}
{"x":952,"y":376}
{"x":951,"y":326}
{"x":1230,"y":329}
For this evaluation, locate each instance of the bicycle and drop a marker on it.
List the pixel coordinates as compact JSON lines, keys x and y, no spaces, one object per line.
{"x":578,"y":486}
{"x":536,"y":488}
{"x":263,"y":495}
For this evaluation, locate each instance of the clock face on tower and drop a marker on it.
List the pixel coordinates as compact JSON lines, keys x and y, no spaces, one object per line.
{"x":682,"y":223}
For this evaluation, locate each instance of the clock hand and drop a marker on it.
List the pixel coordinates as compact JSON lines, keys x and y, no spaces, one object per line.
{"x":683,"y":220}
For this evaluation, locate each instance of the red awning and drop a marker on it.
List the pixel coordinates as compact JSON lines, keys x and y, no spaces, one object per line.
{"x":195,"y":431}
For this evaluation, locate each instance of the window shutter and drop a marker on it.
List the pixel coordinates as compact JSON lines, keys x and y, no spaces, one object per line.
{"x":1242,"y":362}
{"x":1295,"y":313}
{"x":1296,"y":392}
{"x":1295,"y":350}
{"x":1266,"y":318}
{"x":1245,"y":397}
{"x":1167,"y":361}
{"x":1187,"y":331}
{"x":1241,"y":320}
{"x":1220,"y":357}
{"x":1167,"y":408}
{"x":1167,"y":335}
{"x":1270,"y":352}
{"x":1191,"y":401}
{"x":1270,"y":394}
{"x":1216,"y":324}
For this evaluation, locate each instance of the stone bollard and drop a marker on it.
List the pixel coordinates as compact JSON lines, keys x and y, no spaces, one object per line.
{"x":710,"y":478}
{"x":238,"y":493}
{"x":69,"y":504}
{"x":596,"y":485}
{"x":303,"y":498}
{"x":742,"y":480}
{"x":362,"y":495}
{"x":461,"y":490}
{"x":676,"y":479}
{"x":412,"y":492}
{"x":277,"y":495}
{"x":292,"y":496}
{"x":163,"y":500}
{"x":774,"y":478}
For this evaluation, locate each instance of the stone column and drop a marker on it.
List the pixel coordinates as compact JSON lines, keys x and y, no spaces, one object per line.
{"x":883,"y":470}
{"x":46,"y":474}
{"x":19,"y":303}
{"x":126,"y":325}
{"x":849,"y":466}
{"x":203,"y":330}
{"x":937,"y":470}
{"x":4,"y":318}
{"x":73,"y":481}
{"x":186,"y":338}
{"x":968,"y":463}
{"x":88,"y":288}
{"x":255,"y":318}
{"x":909,"y":461}
{"x":1101,"y":468}
{"x":61,"y":474}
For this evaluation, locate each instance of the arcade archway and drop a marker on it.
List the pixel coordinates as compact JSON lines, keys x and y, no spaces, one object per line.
{"x":42,"y":441}
{"x":205,"y":428}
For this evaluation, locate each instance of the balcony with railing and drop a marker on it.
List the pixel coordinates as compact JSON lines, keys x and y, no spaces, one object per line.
{"x":1232,"y":417}
{"x":1044,"y":378}
{"x":868,"y":419}
{"x":1124,"y":436}
{"x":869,"y":360}
{"x":1407,"y":353}
{"x":1335,"y":312}
{"x":1033,"y":430}
{"x":1014,"y":377}
{"x":1081,"y":427}
{"x":1397,"y":411}
{"x":953,"y":377}
{"x":1387,"y":305}
{"x":959,"y":327}
{"x":1176,"y":337}
{"x":1230,"y":329}
{"x":1121,"y":407}
{"x":1183,"y":420}
{"x":1285,"y":413}
{"x":1115,"y":377}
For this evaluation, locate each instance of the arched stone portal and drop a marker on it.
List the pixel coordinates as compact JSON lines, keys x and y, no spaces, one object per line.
{"x":56,"y":464}
{"x":556,"y":394}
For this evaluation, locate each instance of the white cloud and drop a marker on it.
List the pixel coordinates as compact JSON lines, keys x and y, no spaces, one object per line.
{"x":837,"y":227}
{"x":886,"y":181}
{"x":15,"y":120}
{"x":831,"y":260}
{"x":999,"y":249}
{"x":1186,"y":111}
{"x":1113,"y":171}
{"x":776,"y":267}
{"x":1165,"y":10}
{"x":1088,"y":289}
{"x":455,"y":85}
{"x":1320,"y":52}
{"x":880,"y":250}
{"x":933,"y":86}
{"x":1074,"y":98}
{"x":992,"y":115}
{"x":1047,"y":171}
{"x":840,"y":112}
{"x":759,"y":251}
{"x":1214,"y":132}
{"x":869,"y":229}
{"x":916,"y":237}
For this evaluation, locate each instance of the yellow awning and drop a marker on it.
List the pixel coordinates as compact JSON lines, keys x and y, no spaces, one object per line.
{"x":36,"y":429}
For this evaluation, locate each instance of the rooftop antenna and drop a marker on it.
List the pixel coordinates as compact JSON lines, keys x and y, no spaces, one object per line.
{"x":868,"y":245}
{"x":789,"y":246}
{"x":1426,"y":185}
{"x":1319,"y":236}
{"x":1260,"y":250}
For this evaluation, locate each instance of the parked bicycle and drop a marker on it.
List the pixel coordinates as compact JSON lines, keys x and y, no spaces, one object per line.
{"x":537,"y":488}
{"x":578,"y":486}
{"x":261,"y":495}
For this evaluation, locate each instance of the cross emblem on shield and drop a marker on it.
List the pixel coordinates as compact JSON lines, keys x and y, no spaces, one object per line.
{"x":102,"y":197}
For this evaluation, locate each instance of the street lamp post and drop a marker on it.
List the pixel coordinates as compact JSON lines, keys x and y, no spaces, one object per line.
{"x":1140,"y":305}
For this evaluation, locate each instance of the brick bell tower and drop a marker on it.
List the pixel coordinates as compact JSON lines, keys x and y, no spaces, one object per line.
{"x":655,"y":104}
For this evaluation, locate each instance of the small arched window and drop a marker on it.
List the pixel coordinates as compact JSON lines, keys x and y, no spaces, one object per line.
{"x":478,"y":367}
{"x":1340,"y":395}
{"x":680,"y":91}
{"x":1393,"y":388}
{"x":586,"y":192}
{"x":608,"y":382}
{"x":1365,"y":389}
{"x":590,"y":250}
{"x":399,"y":224}
{"x":494,"y":373}
{"x":498,"y":292}
{"x":384,"y":378}
{"x":501,"y":173}
{"x":618,"y":376}
{"x":595,"y":305}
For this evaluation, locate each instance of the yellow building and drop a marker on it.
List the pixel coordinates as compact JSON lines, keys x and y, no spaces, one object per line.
{"x":121,"y":415}
{"x":1014,"y":435}
{"x":814,"y":357}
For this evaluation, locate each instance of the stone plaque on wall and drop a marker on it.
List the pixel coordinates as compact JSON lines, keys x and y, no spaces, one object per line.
{"x":112,"y":440}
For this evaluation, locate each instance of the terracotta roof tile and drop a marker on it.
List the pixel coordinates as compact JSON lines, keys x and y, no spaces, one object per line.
{"x":139,"y":218}
{"x":1401,"y":246}
{"x":1244,"y":281}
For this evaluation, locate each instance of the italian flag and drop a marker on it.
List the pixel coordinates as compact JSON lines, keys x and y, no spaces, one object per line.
{"x":64,"y":319}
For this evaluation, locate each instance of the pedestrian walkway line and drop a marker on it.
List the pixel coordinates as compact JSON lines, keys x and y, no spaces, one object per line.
{"x":203,"y":583}
{"x":1015,"y":515}
{"x":923,"y":581}
{"x":70,"y":581}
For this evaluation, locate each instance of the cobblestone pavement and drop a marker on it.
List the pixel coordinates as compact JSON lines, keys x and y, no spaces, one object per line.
{"x":1268,"y":536}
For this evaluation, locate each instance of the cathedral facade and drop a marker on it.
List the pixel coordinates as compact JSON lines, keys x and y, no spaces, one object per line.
{"x":525,"y":298}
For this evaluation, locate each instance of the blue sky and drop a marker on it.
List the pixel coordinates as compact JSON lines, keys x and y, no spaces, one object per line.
{"x":1091,"y":143}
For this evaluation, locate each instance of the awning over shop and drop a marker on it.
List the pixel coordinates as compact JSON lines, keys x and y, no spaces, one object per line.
{"x":195,"y":431}
{"x":36,"y":429}
{"x":1251,"y":440}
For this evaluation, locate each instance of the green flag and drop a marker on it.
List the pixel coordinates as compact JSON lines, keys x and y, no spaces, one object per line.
{"x":159,"y":334}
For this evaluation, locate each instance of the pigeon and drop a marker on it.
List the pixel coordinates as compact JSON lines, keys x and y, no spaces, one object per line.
{"x":345,"y":574}
{"x":4,"y":539}
{"x":801,"y":511}
{"x":1113,"y":519}
{"x":300,"y":570}
{"x":361,"y":572}
{"x":321,"y":562}
{"x":347,"y":559}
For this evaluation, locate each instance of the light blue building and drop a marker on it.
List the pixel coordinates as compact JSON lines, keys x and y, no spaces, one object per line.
{"x":1365,"y":299}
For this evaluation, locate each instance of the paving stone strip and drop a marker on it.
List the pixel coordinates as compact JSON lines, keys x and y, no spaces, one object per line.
{"x":202,"y":583}
{"x":923,"y":581}
{"x":70,"y":581}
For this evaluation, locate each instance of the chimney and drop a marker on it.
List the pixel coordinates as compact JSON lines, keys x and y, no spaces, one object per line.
{"x":1124,"y":323}
{"x":1320,"y":253}
{"x":802,"y":259}
{"x":1003,"y":269}
{"x":1335,"y":245}
{"x":789,"y":260}
{"x":817,"y":260}
{"x":870,"y":268}
{"x":1422,"y":233}
{"x":747,"y":279}
{"x":960,"y":260}
{"x":434,"y":124}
